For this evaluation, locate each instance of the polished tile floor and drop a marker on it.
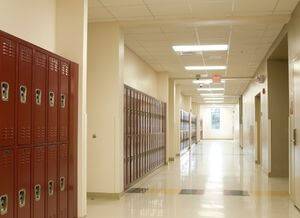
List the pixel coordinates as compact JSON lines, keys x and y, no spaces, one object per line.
{"x":214,"y":180}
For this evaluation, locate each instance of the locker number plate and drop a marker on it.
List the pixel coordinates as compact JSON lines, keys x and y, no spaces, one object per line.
{"x":4,"y":91}
{"x":3,"y":204}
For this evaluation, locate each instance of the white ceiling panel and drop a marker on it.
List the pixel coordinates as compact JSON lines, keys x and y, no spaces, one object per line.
{"x":134,"y":11}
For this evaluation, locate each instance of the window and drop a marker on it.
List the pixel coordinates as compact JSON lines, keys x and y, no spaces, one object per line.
{"x":215,"y":118}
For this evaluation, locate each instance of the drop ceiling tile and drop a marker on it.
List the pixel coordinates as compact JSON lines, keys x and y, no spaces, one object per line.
{"x":286,"y":5}
{"x":99,"y":13}
{"x":170,"y":9}
{"x":94,"y":3}
{"x":135,"y":11}
{"x":164,"y":3}
{"x":255,"y":5}
{"x":211,"y":8}
{"x":121,"y":2}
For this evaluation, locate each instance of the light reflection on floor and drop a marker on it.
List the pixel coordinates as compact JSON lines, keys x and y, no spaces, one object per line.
{"x":214,"y":166}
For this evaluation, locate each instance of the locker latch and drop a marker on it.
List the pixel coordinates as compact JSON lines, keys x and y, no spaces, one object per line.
{"x":63,"y":101}
{"x":4,"y":91}
{"x":22,"y":198}
{"x":3,"y":204}
{"x":62,"y":183}
{"x":51,"y":99}
{"x":38,"y":96}
{"x":37,"y":192}
{"x":23,"y":94}
{"x":50,"y":188}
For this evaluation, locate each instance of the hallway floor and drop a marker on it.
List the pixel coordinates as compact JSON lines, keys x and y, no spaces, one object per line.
{"x":214,"y":180}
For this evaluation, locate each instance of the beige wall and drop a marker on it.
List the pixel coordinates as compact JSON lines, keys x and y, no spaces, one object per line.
{"x":105,"y":108}
{"x":31,"y":20}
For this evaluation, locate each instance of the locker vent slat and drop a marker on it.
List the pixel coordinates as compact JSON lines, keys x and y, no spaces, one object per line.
{"x":8,"y":48}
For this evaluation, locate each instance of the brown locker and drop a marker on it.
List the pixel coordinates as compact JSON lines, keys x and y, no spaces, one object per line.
{"x":51,"y":199}
{"x":23,"y":185}
{"x":8,"y":56}
{"x":53,"y":101}
{"x":7,"y":200}
{"x":39,"y":94}
{"x":63,"y":181}
{"x":25,"y":60}
{"x":38,"y":182}
{"x":64,"y":101}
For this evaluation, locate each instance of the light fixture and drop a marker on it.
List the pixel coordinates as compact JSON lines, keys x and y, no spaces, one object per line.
{"x":214,"y":102}
{"x":212,"y":94}
{"x":201,"y":68}
{"x":199,"y":48}
{"x":202,"y":81}
{"x":210,"y":89}
{"x":211,"y":99}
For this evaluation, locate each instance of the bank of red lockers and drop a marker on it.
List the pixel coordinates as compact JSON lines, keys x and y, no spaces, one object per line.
{"x":38,"y":132}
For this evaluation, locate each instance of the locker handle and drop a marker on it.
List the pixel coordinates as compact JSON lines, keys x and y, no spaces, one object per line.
{"x":4,"y":91}
{"x":51,"y":99}
{"x":63,"y":101}
{"x":23,"y":94}
{"x":50,"y":188}
{"x":3,"y":204}
{"x":37,"y":192}
{"x":38,"y":96}
{"x":22,"y":198}
{"x":62,"y":183}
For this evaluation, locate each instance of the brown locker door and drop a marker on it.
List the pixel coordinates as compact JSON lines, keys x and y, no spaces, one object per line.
{"x":7,"y":184}
{"x":53,"y":100}
{"x":64,"y":101}
{"x":24,"y":94}
{"x":38,"y":182}
{"x":39,"y":97}
{"x":62,"y":181}
{"x":23,"y":157}
{"x":7,"y":85}
{"x":51,"y":204}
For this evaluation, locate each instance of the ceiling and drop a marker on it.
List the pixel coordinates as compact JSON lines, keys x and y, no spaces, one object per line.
{"x":152,"y":27}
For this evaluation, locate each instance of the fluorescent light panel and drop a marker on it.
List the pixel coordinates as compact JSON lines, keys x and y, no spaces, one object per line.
{"x":212,"y":94}
{"x":199,"y":48}
{"x":205,"y":81}
{"x":214,"y":102}
{"x":201,"y":68}
{"x":210,"y":89}
{"x":212,"y":99}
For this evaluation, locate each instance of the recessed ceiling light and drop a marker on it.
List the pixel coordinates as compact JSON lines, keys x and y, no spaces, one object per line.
{"x":202,"y":81}
{"x":214,"y":102}
{"x":199,"y":48}
{"x":205,"y":68}
{"x":212,"y":94}
{"x":212,"y":99}
{"x":210,"y":89}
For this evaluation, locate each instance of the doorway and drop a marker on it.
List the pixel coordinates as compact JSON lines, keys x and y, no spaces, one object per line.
{"x":258,"y":149}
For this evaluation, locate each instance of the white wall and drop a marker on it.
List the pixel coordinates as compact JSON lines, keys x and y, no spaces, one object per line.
{"x":31,"y":20}
{"x":226,"y":125}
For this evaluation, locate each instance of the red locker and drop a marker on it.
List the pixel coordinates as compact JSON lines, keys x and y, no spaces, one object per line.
{"x":63,"y":181}
{"x":25,"y":57}
{"x":23,"y":167}
{"x":8,"y":58}
{"x":52,"y":105}
{"x":51,"y":202}
{"x":64,"y":101}
{"x":7,"y":184}
{"x":38,"y":182}
{"x":39,"y":97}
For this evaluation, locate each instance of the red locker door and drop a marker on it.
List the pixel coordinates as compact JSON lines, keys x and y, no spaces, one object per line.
{"x":51,"y":182}
{"x":25,"y":57}
{"x":38,"y":182}
{"x":39,"y":97}
{"x":7,"y":85}
{"x":64,"y":101}
{"x":52,"y":126}
{"x":23,"y":157}
{"x":62,"y":181}
{"x":7,"y":184}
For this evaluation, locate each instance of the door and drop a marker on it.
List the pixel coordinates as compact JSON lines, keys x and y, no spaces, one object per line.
{"x":295,"y":131}
{"x":257,"y":129}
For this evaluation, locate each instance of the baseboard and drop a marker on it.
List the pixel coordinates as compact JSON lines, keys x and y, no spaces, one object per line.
{"x":115,"y":196}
